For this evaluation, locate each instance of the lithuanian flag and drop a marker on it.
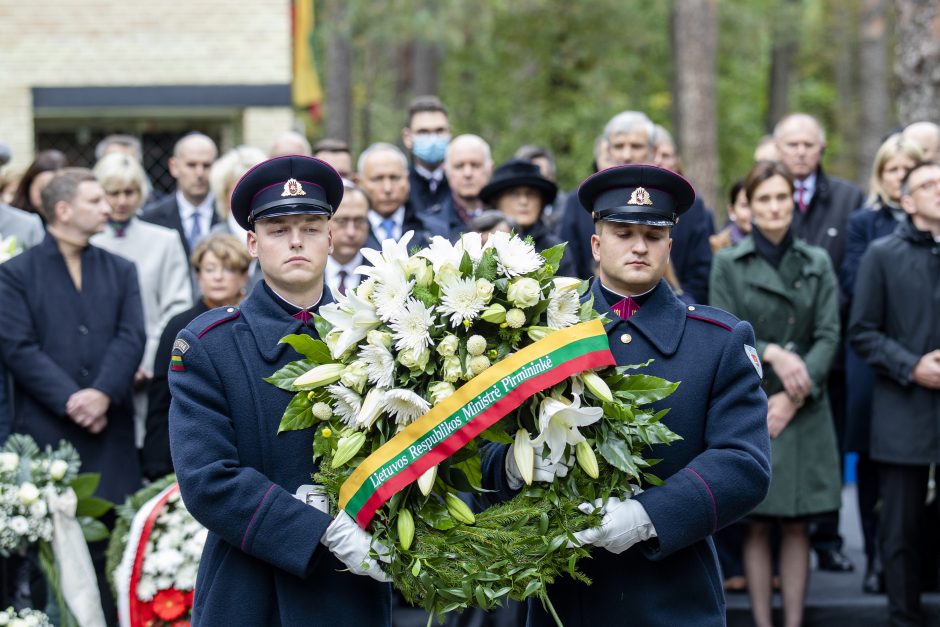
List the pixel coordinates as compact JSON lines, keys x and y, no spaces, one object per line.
{"x":306,"y":89}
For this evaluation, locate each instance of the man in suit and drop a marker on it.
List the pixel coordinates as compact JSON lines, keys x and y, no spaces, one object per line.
{"x":349,"y":228}
{"x":191,"y":209}
{"x":468,"y":166}
{"x":823,"y":205}
{"x":425,"y":136}
{"x":269,"y":559}
{"x":383,"y":174}
{"x":72,"y":336}
{"x":654,"y":560}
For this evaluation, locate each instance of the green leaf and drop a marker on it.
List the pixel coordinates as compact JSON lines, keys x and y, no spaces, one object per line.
{"x":85,"y":484}
{"x":466,"y":265}
{"x":314,"y":350}
{"x":321,"y":444}
{"x":645,"y":389}
{"x":93,"y":530}
{"x":285,"y":377}
{"x":467,"y":475}
{"x":298,"y":414}
{"x":496,"y":434}
{"x":553,"y":256}
{"x":92,"y":506}
{"x":616,"y":452}
{"x":321,"y":325}
{"x":530,"y":589}
{"x":435,"y":515}
{"x":424,"y":295}
{"x":487,"y":268}
{"x":652,"y":479}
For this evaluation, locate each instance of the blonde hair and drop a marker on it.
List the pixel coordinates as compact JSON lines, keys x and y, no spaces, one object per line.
{"x":895,"y":145}
{"x":116,"y":170}
{"x":226,"y":171}
{"x":231,"y":252}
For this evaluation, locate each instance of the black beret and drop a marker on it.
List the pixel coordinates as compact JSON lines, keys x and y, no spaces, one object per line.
{"x":639,"y":194}
{"x":286,"y":185}
{"x":518,"y":173}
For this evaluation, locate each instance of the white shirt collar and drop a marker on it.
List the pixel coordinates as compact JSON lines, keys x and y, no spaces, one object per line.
{"x":187,"y":209}
{"x":333,"y":268}
{"x":437,"y":174}
{"x":375,"y":219}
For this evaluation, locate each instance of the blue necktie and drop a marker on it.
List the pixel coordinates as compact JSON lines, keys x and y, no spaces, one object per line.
{"x":388,"y":225}
{"x":195,"y":231}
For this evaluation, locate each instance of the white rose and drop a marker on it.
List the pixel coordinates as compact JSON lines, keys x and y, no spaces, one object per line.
{"x":448,"y":346}
{"x":9,"y":462}
{"x":28,"y":493}
{"x":414,"y":360}
{"x":379,"y":338}
{"x":38,"y":509}
{"x":365,"y":289}
{"x":446,"y":274}
{"x":419,"y":270}
{"x":451,"y":370}
{"x":355,"y":376}
{"x":524,"y":292}
{"x":515,"y":318}
{"x":58,"y":468}
{"x":476,"y":345}
{"x":439,"y":390}
{"x":484,"y":290}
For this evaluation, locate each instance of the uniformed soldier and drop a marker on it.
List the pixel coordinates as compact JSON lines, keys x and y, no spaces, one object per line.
{"x":721,"y":467}
{"x":269,"y":559}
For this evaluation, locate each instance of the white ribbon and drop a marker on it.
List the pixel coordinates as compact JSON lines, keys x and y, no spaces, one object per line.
{"x":77,"y":580}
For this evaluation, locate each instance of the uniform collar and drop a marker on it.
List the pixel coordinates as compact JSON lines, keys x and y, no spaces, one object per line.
{"x":661,"y":319}
{"x":269,"y":321}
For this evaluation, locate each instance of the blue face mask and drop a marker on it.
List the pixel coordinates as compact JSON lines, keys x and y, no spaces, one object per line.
{"x":430,"y":148}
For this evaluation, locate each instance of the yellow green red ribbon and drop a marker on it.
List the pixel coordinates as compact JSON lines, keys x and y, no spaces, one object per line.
{"x":477,"y":405}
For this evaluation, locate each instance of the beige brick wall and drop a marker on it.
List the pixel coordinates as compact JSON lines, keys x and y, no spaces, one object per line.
{"x":71,"y":43}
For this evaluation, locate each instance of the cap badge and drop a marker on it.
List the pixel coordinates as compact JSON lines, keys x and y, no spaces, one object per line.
{"x":640,"y":197}
{"x":293,"y":188}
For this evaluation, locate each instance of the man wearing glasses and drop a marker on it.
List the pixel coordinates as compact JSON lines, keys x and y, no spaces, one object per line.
{"x":893,"y":327}
{"x":349,"y":227}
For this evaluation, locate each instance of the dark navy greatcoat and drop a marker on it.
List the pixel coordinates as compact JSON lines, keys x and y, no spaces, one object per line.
{"x":714,"y":476}
{"x":56,"y":340}
{"x":263,"y":563}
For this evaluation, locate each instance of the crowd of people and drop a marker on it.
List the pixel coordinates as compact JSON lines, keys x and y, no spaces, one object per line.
{"x":841,"y":287}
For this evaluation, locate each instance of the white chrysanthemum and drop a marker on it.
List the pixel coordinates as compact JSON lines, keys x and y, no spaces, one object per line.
{"x":390,"y":293}
{"x":346,"y":403}
{"x":405,"y":406}
{"x":563,"y":308}
{"x":514,"y":256}
{"x":412,"y":326}
{"x":380,"y":364}
{"x":460,"y":301}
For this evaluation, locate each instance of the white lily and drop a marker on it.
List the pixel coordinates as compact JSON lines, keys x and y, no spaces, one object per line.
{"x":353,"y":317}
{"x":559,"y":422}
{"x":371,"y":409}
{"x":441,"y":252}
{"x":393,"y":254}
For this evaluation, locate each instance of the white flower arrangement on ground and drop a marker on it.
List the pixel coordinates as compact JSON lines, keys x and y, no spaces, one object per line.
{"x":417,"y":329}
{"x":160,"y":558}
{"x":24,"y":618}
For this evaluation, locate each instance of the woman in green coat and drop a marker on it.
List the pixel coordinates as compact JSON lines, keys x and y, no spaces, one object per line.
{"x":787,"y":290}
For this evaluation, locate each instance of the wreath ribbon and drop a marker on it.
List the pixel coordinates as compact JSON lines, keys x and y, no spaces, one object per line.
{"x":473,"y":408}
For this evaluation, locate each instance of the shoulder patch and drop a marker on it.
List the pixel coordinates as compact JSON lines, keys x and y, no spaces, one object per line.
{"x":211,"y":319}
{"x":181,"y":345}
{"x":752,"y":355}
{"x":713,"y":315}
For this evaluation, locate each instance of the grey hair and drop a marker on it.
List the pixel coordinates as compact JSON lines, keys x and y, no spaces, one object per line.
{"x":380,"y":147}
{"x":801,"y":116}
{"x":629,"y":121}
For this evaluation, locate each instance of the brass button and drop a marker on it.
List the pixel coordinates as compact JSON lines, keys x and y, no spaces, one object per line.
{"x":626,"y":338}
{"x":691,"y":308}
{"x":230,"y":310}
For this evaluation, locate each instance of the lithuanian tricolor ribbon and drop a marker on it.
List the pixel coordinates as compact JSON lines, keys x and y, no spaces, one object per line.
{"x":477,"y":405}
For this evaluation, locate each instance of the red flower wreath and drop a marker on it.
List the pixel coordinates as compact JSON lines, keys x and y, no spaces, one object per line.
{"x":169,"y":604}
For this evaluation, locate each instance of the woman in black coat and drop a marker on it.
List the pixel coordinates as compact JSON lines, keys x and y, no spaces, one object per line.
{"x":876,"y":219}
{"x":221,"y":263}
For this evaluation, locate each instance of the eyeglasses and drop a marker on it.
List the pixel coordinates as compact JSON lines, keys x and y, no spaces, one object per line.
{"x":930,"y":186}
{"x":358,"y":223}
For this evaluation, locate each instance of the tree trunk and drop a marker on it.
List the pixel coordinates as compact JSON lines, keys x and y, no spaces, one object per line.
{"x":425,"y":63}
{"x":874,"y":97}
{"x":842,"y":23}
{"x":785,"y":25}
{"x":338,"y":119}
{"x":695,"y":34}
{"x":917,"y":63}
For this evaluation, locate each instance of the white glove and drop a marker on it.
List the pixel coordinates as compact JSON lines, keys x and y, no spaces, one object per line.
{"x":348,"y":542}
{"x":625,"y":523}
{"x":543,"y":468}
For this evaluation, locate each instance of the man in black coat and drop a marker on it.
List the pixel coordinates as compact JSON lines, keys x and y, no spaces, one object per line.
{"x":72,"y":336}
{"x":269,"y":559}
{"x":191,"y":209}
{"x":894,"y":329}
{"x":822,"y":207}
{"x":426,"y":135}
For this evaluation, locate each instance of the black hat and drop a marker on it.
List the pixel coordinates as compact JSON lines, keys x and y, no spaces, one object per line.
{"x":518,"y":173}
{"x":286,"y":185}
{"x":639,"y":194}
